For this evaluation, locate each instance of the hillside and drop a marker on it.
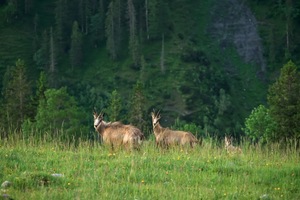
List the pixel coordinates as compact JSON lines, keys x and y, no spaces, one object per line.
{"x":202,"y":62}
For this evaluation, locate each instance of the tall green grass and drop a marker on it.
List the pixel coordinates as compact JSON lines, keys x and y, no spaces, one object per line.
{"x":91,"y":171}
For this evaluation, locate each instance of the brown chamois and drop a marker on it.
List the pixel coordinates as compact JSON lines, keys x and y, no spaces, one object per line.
{"x":166,"y":137}
{"x":116,"y":134}
{"x":230,"y":148}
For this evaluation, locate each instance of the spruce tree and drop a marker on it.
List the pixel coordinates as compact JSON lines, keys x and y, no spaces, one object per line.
{"x":284,"y":102}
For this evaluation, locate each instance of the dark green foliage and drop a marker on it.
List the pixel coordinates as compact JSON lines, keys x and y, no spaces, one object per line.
{"x":58,"y":114}
{"x":63,"y":22}
{"x":190,"y":127}
{"x":41,"y":87}
{"x":113,"y":28}
{"x":97,"y":24}
{"x":158,"y":19}
{"x":137,"y":109}
{"x":206,"y":102}
{"x":115,"y":106}
{"x":41,"y":57}
{"x":223,"y":110}
{"x":165,"y":44}
{"x":284,"y":102}
{"x":76,"y":47}
{"x":133,"y":39}
{"x":279,"y":32}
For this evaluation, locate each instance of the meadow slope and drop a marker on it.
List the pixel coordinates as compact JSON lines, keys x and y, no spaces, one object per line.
{"x":53,"y":170}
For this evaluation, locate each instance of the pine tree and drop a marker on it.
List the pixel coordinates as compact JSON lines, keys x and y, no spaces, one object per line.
{"x":284,"y":102}
{"x":76,"y":47}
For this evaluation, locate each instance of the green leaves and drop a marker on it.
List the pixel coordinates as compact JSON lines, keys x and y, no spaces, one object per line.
{"x":260,"y":126}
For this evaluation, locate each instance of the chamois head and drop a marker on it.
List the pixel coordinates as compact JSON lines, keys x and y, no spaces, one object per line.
{"x":228,"y":141}
{"x":97,"y":119}
{"x":155,"y":118}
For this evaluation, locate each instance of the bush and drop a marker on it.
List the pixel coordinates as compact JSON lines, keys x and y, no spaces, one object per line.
{"x":260,"y":126}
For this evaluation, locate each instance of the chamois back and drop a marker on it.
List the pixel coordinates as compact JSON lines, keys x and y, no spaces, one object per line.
{"x":166,"y":137}
{"x":116,"y":134}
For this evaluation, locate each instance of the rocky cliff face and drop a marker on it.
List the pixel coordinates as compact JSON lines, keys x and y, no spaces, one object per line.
{"x":235,"y":25}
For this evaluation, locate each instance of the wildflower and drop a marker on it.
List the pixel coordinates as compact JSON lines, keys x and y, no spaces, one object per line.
{"x":142,"y":181}
{"x":69,"y":183}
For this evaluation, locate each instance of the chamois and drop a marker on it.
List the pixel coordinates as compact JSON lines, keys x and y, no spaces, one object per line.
{"x":116,"y":134}
{"x":230,"y":148}
{"x":166,"y":137}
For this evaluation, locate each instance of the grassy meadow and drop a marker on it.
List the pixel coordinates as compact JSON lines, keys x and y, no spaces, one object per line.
{"x":53,"y":170}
